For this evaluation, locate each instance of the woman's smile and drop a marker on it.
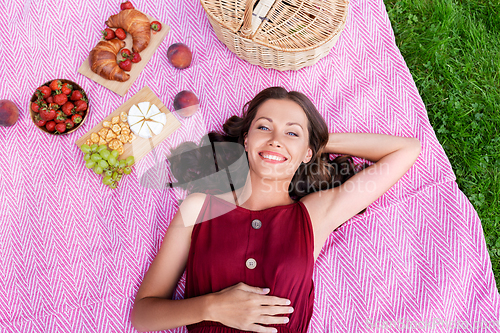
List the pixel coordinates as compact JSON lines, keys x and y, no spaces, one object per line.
{"x":272,"y":157}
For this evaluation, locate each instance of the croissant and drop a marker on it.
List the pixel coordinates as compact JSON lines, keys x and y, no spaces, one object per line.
{"x":136,"y":24}
{"x":102,"y":60}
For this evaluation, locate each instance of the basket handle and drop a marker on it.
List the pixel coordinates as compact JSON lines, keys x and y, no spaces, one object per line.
{"x":246,"y":30}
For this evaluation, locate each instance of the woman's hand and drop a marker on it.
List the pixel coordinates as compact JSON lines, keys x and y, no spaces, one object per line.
{"x":242,"y":306}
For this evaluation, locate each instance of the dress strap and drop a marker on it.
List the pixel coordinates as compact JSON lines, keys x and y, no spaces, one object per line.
{"x":235,"y":197}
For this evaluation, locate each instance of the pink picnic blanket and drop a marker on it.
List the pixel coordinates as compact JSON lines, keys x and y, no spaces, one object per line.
{"x":73,"y":252}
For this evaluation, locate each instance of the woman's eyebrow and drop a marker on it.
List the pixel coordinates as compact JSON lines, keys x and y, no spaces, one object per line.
{"x":288,"y":124}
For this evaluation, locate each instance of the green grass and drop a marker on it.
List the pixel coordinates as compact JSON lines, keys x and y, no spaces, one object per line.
{"x":452,"y":49}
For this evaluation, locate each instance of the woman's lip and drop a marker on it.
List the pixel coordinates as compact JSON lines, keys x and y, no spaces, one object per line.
{"x":274,"y":154}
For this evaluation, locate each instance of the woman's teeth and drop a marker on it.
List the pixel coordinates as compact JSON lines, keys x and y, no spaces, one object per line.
{"x":272,"y":157}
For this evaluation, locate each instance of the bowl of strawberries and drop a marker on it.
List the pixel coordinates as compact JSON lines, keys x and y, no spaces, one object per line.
{"x":59,"y":106}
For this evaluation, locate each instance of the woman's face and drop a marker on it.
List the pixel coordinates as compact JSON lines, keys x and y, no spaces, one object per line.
{"x":278,"y":139}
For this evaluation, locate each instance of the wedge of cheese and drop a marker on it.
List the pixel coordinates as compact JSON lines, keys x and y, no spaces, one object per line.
{"x":146,"y":119}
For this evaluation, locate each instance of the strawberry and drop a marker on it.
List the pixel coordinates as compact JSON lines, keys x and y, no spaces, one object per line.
{"x":126,"y":5}
{"x":120,"y":33}
{"x":45,"y":91}
{"x":76,"y":95}
{"x":50,"y":99}
{"x":126,"y":53}
{"x":66,"y":88}
{"x":39,"y":121}
{"x":155,"y":26}
{"x":60,"y":117}
{"x":35,"y":107}
{"x":69,"y":124}
{"x":136,"y":57}
{"x":68,"y":108}
{"x":80,"y":106}
{"x":54,"y":106}
{"x":50,"y":126}
{"x":61,"y":127}
{"x":108,"y":34}
{"x":60,"y":99}
{"x":125,"y":64}
{"x":76,"y":118}
{"x":55,"y":85}
{"x":47,"y":113}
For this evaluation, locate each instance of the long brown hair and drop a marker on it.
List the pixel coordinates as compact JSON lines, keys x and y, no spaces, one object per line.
{"x":190,"y":162}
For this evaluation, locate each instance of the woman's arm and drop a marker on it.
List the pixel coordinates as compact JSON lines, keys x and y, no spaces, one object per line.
{"x":368,"y":146}
{"x":154,"y":308}
{"x":393,"y":156}
{"x":156,"y":314}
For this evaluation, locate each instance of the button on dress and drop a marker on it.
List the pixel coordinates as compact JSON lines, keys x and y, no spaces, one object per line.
{"x":271,"y":248}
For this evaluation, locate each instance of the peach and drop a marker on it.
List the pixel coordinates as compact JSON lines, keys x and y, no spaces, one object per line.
{"x":186,"y":103}
{"x":9,"y":113}
{"x":179,"y":55}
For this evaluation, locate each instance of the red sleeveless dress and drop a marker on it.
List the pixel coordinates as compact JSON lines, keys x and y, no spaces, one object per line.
{"x":271,"y":248}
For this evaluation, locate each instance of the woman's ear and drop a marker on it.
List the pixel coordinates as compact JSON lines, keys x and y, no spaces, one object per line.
{"x":245,"y":141}
{"x":308,"y":155}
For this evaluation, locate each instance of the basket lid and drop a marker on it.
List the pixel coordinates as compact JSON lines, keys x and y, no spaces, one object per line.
{"x":287,"y":25}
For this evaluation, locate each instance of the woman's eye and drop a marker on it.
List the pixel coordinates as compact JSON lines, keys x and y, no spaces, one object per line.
{"x":293,"y":133}
{"x":262,"y":127}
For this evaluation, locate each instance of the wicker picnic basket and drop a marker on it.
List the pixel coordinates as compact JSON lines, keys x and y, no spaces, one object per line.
{"x":278,"y":34}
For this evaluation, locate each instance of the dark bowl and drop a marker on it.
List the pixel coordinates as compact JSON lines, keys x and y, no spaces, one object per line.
{"x":43,"y":128}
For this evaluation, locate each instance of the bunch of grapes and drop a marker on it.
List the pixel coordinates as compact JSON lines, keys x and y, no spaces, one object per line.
{"x":105,"y":162}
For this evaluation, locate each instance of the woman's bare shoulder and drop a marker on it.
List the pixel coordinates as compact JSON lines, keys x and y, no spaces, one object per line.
{"x":190,"y":208}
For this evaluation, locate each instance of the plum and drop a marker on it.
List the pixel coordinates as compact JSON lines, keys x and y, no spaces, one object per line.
{"x":179,"y":55}
{"x":9,"y":113}
{"x":186,"y":103}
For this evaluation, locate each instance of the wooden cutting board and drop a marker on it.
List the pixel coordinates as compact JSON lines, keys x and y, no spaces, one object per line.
{"x":121,"y":88}
{"x":139,"y":147}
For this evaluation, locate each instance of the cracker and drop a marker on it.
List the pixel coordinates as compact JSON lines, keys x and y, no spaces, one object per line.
{"x":116,"y":128}
{"x":123,"y":116}
{"x":123,"y":138}
{"x":94,"y":137}
{"x":103,"y":132}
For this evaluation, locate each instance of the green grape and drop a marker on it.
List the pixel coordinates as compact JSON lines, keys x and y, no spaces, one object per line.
{"x":101,"y":148}
{"x":130,"y":160}
{"x":105,"y":154}
{"x":112,"y":160}
{"x":115,"y":153}
{"x":86,"y":157}
{"x":115,"y":175}
{"x":96,"y":157}
{"x":113,"y":185}
{"x":122,"y":164}
{"x":106,"y":180}
{"x":127,"y":170}
{"x":116,"y":165}
{"x":120,"y":171}
{"x":119,"y":178}
{"x":108,"y":173}
{"x":85,"y":148}
{"x":93,"y":148}
{"x":103,"y":164}
{"x":90,"y":164}
{"x":98,"y":169}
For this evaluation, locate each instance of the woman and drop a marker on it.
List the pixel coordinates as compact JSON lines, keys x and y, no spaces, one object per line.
{"x":293,"y":196}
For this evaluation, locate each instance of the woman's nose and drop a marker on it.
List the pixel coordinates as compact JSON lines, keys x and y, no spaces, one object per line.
{"x":274,"y":142}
